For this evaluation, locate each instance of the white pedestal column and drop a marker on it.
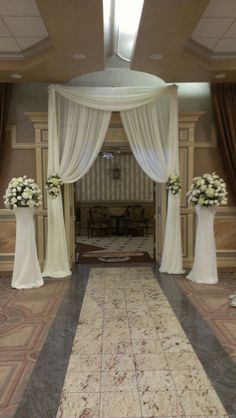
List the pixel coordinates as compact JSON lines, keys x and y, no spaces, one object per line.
{"x":26,"y":271}
{"x":204,"y":267}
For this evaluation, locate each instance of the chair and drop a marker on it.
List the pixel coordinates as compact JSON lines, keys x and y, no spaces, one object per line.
{"x":99,"y":220}
{"x":135,"y":221}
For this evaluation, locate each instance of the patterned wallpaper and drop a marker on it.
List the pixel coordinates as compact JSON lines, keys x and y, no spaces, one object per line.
{"x":98,"y":184}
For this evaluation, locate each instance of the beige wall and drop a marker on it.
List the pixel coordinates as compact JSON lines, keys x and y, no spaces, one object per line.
{"x":15,"y":162}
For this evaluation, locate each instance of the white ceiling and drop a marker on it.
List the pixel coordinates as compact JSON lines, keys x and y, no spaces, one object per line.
{"x":196,"y":40}
{"x":216,"y":30}
{"x":21,"y":27}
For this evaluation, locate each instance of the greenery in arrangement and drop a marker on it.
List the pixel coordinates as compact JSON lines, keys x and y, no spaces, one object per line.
{"x":22,"y":192}
{"x":53,"y":185}
{"x":208,"y":190}
{"x":174,"y":184}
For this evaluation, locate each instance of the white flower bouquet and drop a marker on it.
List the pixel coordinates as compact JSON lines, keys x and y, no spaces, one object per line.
{"x":208,"y":190}
{"x":174,"y":184}
{"x":22,"y":192}
{"x":53,"y":185}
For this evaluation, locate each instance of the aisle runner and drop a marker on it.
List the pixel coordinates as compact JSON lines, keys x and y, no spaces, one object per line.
{"x":131,"y":357}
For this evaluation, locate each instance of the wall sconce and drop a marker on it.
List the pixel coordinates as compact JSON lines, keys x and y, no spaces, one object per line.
{"x":116,"y":173}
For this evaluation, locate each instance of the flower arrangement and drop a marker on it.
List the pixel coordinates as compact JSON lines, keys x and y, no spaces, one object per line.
{"x":22,"y":192}
{"x":53,"y":185}
{"x":208,"y":190}
{"x":174,"y":184}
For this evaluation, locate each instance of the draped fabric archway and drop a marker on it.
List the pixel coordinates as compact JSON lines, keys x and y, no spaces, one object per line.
{"x":78,"y":121}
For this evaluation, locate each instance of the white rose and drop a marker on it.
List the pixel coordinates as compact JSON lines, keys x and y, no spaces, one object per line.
{"x":30,"y":203}
{"x":209,"y":192}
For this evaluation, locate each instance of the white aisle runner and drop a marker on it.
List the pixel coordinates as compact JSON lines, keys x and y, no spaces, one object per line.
{"x":130,"y":356}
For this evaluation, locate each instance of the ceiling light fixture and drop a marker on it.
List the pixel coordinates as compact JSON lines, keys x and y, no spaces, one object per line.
{"x":219,"y":76}
{"x":79,"y":56}
{"x":16,"y":76}
{"x":125,"y":24}
{"x":156,"y":56}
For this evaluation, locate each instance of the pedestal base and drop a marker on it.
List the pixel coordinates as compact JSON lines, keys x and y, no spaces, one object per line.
{"x":26,"y":271}
{"x":204,"y":267}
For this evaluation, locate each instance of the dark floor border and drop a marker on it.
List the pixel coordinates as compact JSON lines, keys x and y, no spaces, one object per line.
{"x":43,"y":392}
{"x":219,"y":367}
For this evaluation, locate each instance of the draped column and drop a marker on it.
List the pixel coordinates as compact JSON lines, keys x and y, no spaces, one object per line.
{"x":152,"y":132}
{"x":75,"y":135}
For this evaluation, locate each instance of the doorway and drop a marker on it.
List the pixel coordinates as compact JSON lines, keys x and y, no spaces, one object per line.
{"x":116,"y":183}
{"x":115,"y":209}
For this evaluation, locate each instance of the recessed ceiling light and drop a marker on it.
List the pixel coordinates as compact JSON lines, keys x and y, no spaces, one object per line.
{"x":79,"y":56}
{"x":220,"y":76}
{"x":156,"y":56}
{"x":16,"y":76}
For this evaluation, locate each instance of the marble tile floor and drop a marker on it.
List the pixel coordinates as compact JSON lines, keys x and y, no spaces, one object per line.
{"x":120,"y":243}
{"x":148,"y":349}
{"x":131,"y":357}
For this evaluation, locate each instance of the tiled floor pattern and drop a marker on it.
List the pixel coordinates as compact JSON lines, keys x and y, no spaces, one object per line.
{"x":25,"y":318}
{"x":131,"y":357}
{"x":212,"y":301}
{"x":122,"y":243}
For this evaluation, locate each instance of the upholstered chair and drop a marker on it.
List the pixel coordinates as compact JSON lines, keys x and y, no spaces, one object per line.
{"x":135,"y":221}
{"x":99,"y":220}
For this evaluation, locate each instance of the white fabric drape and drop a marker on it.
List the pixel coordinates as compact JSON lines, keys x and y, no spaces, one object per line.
{"x":76,"y":134}
{"x":112,"y":98}
{"x":78,"y":121}
{"x":153,"y":138}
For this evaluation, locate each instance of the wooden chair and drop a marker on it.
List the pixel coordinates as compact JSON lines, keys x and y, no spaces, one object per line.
{"x":99,"y":220}
{"x":135,"y":221}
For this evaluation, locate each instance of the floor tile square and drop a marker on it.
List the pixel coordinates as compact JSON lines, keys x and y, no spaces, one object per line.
{"x":150,"y":362}
{"x":153,"y":381}
{"x":160,"y":404}
{"x":182,"y":360}
{"x":194,"y":379}
{"x":115,"y":362}
{"x":117,"y":346}
{"x":120,"y":404}
{"x":82,"y":382}
{"x":76,"y":405}
{"x":176,"y":344}
{"x":118,"y":381}
{"x":84,"y":363}
{"x":146,"y":346}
